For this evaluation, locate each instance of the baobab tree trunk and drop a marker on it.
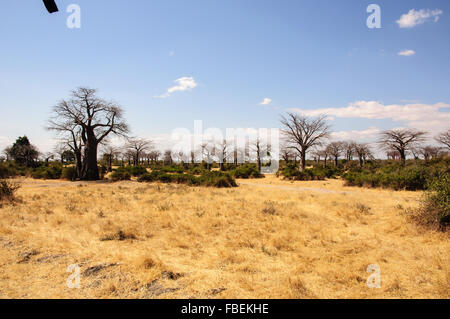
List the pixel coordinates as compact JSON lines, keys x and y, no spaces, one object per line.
{"x":90,"y":169}
{"x":402,"y":157}
{"x":302,"y":161}
{"x":335,"y":161}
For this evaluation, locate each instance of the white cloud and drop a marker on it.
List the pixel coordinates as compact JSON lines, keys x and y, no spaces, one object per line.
{"x":185,"y":83}
{"x":413,"y":17}
{"x":363,"y":135}
{"x":420,"y":116}
{"x":266,"y":101}
{"x":171,"y":53}
{"x":407,"y":52}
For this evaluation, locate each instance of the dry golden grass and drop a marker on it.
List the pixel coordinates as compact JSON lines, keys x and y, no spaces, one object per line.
{"x":265,"y":239}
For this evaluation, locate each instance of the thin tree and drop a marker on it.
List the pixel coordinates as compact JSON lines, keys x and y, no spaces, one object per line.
{"x":363,"y":151}
{"x":401,"y":140}
{"x":302,"y":133}
{"x":110,"y":152}
{"x":444,"y":138}
{"x":349,"y":149}
{"x":95,"y":118}
{"x":138,"y":146}
{"x":335,"y":149}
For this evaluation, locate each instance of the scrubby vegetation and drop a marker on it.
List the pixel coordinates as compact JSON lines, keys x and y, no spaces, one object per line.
{"x":121,"y":174}
{"x":69,"y":173}
{"x":414,"y":176}
{"x":52,"y":171}
{"x":246,"y":171}
{"x":207,"y":178}
{"x":318,"y":172}
{"x":435,"y":210}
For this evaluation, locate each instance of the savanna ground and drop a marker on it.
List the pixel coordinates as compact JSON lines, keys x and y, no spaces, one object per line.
{"x":267,"y":238}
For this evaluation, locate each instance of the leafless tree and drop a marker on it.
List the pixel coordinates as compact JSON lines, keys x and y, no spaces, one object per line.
{"x":444,"y":138}
{"x":138,"y":146}
{"x":110,"y":152}
{"x":401,"y":140}
{"x":363,"y":151}
{"x":48,"y":156}
{"x":349,"y":149}
{"x":260,"y":150}
{"x":208,"y":152}
{"x":302,"y":133}
{"x":286,"y":154}
{"x":429,"y":152}
{"x":222,"y":153}
{"x":91,"y":118}
{"x":7,"y":152}
{"x":154,"y":155}
{"x":335,"y":150}
{"x":168,"y":157}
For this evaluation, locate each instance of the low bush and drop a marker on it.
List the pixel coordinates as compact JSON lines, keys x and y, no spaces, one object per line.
{"x":120,"y":175}
{"x":435,"y":209}
{"x":316,"y":173}
{"x":246,"y":171}
{"x":172,"y":169}
{"x":52,"y":171}
{"x":392,"y":175}
{"x":215,"y":179}
{"x":69,"y":173}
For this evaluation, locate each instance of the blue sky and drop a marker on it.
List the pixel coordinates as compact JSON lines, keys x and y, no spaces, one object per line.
{"x":308,"y":56}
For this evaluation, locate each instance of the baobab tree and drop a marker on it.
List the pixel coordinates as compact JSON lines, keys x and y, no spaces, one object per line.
{"x":349,"y":149}
{"x":302,"y":133}
{"x":260,"y":150}
{"x":154,"y":156}
{"x":286,"y":154}
{"x":222,"y":153}
{"x":138,"y":146}
{"x":444,"y":138}
{"x":168,"y":157}
{"x":335,"y":150}
{"x":363,"y":151}
{"x":110,"y":152}
{"x":401,"y":140}
{"x":93,"y":119}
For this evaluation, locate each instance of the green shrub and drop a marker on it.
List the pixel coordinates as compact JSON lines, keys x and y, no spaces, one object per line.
{"x":435,"y":209}
{"x":197,"y":170}
{"x":172,"y":169}
{"x":316,"y":173}
{"x":246,"y":171}
{"x":215,"y":179}
{"x":69,"y":173}
{"x":149,"y":177}
{"x":137,"y":170}
{"x":392,"y":175}
{"x":120,"y":175}
{"x":52,"y":171}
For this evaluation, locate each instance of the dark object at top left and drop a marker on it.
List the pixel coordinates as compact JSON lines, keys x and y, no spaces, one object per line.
{"x":51,"y":6}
